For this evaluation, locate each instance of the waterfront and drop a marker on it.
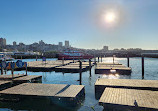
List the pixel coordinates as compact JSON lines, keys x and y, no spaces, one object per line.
{"x":90,"y":103}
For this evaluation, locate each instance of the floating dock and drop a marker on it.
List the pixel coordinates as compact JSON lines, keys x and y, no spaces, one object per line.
{"x":101,"y":84}
{"x":28,"y":79}
{"x":9,"y":77}
{"x":74,"y":67}
{"x":5,"y":84}
{"x":46,"y":66}
{"x":58,"y":93}
{"x":121,"y":99}
{"x":108,"y":68}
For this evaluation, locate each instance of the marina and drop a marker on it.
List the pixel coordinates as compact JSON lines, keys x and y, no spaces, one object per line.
{"x":68,"y":87}
{"x":78,"y":55}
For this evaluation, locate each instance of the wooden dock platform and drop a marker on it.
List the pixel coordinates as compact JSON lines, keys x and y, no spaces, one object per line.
{"x":46,"y":66}
{"x":58,"y":93}
{"x":9,"y":77}
{"x":28,"y":79}
{"x":108,"y":68}
{"x":101,"y":84}
{"x":121,"y":99}
{"x":74,"y":67}
{"x":5,"y":84}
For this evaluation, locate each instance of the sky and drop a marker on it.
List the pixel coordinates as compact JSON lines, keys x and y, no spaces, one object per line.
{"x":82,"y":22}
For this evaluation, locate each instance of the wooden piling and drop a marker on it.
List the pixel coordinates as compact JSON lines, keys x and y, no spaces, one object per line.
{"x":73,"y":59}
{"x":5,"y":71}
{"x":63,"y":60}
{"x":94,"y":60}
{"x":90,"y":66}
{"x":80,"y":72}
{"x":12,"y":71}
{"x":26,"y":70}
{"x":1,"y":71}
{"x":36,"y":57}
{"x":101,"y":58}
{"x":113,"y":59}
{"x":142,"y":67}
{"x":98,"y":59}
{"x":128,"y":61}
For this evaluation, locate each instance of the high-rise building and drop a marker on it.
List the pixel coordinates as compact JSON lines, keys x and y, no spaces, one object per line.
{"x":105,"y":48}
{"x":14,"y":43}
{"x":2,"y":42}
{"x":41,"y":43}
{"x":66,"y":44}
{"x":60,"y":44}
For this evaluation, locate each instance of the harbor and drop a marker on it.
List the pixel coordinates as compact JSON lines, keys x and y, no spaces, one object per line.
{"x":92,"y":85}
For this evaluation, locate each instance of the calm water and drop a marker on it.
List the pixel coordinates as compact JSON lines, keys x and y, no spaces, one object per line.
{"x":90,"y":103}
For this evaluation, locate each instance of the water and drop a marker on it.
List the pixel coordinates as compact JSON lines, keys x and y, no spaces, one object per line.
{"x":90,"y":103}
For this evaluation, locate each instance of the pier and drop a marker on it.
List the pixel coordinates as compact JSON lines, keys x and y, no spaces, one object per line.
{"x":58,"y":93}
{"x":107,"y":68}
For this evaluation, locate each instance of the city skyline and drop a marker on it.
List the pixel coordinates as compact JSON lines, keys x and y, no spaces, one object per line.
{"x":80,"y":23}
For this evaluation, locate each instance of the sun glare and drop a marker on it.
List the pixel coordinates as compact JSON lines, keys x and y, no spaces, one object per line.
{"x":110,"y":17}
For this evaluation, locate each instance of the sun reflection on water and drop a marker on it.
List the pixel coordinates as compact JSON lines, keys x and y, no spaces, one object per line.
{"x":111,"y":76}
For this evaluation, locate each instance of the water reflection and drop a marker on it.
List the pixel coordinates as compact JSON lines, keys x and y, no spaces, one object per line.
{"x":111,"y":76}
{"x":115,"y":76}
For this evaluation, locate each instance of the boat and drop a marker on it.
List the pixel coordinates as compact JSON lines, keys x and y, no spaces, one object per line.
{"x":70,"y":55}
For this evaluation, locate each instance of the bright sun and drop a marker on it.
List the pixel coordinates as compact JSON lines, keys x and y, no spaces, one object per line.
{"x":110,"y":17}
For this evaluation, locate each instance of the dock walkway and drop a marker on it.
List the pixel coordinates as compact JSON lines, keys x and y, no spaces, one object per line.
{"x":119,"y":99}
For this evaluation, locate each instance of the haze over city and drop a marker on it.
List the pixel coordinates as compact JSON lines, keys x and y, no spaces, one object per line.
{"x":86,"y":24}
